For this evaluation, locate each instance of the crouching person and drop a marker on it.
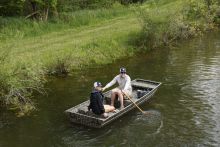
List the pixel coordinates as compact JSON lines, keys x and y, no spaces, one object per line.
{"x":96,"y":101}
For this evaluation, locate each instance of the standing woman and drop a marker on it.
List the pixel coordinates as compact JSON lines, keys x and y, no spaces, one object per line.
{"x":124,"y":82}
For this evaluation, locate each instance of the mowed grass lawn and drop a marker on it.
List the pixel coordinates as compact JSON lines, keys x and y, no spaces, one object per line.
{"x":99,"y":43}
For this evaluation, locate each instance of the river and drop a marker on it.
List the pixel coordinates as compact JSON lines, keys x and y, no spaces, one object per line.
{"x":185,"y":109}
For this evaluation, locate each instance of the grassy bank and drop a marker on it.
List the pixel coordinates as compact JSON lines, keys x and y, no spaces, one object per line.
{"x":30,"y":50}
{"x":185,"y":20}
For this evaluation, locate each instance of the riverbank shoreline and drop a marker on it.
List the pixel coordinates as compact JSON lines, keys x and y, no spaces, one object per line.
{"x":26,"y":60}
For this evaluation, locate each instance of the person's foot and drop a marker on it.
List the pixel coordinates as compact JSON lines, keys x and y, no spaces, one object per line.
{"x":116,"y":110}
{"x":105,"y":115}
{"x":121,"y":108}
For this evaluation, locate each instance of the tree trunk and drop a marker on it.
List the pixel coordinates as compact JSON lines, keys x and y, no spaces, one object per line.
{"x":34,"y":8}
{"x":55,"y":12}
{"x":46,"y":12}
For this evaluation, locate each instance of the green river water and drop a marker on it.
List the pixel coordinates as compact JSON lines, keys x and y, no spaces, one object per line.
{"x":185,"y":109}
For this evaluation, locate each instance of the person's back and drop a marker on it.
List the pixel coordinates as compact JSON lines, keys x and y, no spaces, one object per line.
{"x":96,"y":102}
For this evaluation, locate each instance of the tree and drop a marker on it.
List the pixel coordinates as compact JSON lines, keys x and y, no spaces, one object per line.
{"x":40,"y":9}
{"x":11,"y":7}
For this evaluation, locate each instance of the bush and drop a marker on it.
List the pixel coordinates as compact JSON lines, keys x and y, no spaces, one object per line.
{"x":73,"y":5}
{"x":194,"y":19}
{"x":18,"y":82}
{"x":11,"y":7}
{"x":206,"y":10}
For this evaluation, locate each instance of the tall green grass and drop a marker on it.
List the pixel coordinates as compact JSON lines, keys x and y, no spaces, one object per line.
{"x":20,"y":27}
{"x":176,"y":21}
{"x":18,"y":81}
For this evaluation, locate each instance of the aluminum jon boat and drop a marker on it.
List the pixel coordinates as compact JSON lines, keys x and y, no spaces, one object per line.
{"x":143,"y":90}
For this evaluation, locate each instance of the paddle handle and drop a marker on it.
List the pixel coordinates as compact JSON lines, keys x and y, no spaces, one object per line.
{"x":133,"y":102}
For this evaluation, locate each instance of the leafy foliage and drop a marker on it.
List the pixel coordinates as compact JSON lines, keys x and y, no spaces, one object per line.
{"x":195,"y":17}
{"x":40,"y":9}
{"x":17,"y":83}
{"x":11,"y":7}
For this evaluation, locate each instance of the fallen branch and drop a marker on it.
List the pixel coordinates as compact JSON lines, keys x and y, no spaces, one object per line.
{"x":32,"y":14}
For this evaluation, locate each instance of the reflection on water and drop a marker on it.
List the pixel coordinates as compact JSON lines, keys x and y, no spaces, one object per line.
{"x":139,"y":127}
{"x":185,"y":111}
{"x":204,"y":87}
{"x":148,"y":124}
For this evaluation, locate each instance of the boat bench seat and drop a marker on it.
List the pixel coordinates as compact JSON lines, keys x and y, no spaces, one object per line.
{"x":117,"y":102}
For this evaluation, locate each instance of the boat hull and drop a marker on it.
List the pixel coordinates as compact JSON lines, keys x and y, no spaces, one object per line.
{"x":80,"y":115}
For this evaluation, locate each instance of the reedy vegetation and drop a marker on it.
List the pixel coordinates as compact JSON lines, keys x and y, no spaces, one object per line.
{"x":31,"y":49}
{"x":189,"y":19}
{"x":19,"y":27}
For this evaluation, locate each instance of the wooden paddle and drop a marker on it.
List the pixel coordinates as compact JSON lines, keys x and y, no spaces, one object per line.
{"x":134,"y":103}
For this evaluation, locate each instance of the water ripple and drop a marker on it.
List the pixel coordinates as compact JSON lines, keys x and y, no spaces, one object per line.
{"x":204,"y":86}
